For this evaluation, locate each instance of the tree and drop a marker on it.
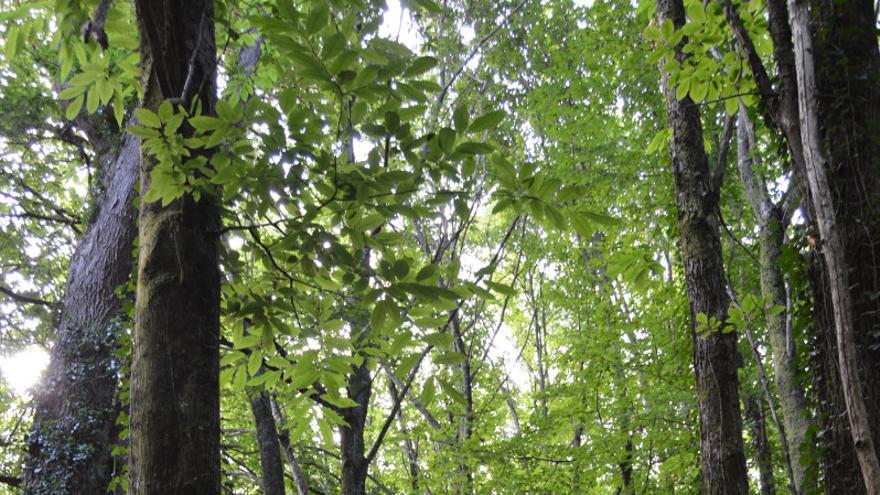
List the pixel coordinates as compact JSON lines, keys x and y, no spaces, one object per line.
{"x":175,"y":409}
{"x":839,"y":236}
{"x":722,"y":465}
{"x":78,"y":392}
{"x":447,"y":249}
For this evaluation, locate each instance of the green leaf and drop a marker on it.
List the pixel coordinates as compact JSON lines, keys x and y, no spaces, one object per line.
{"x":696,"y":13}
{"x":600,"y":218}
{"x":304,"y":377}
{"x":440,"y":340}
{"x":473,"y":148}
{"x":341,"y":402}
{"x":246,"y":342}
{"x":460,"y":118}
{"x":254,"y":362}
{"x":450,"y":358}
{"x":378,"y":317}
{"x":699,"y":90}
{"x":487,"y":121}
{"x":71,"y":92}
{"x":453,"y":394}
{"x":731,"y":105}
{"x":165,"y":111}
{"x":118,"y":108}
{"x":333,"y":325}
{"x":429,"y":392}
{"x":240,"y":380}
{"x":147,"y":118}
{"x":318,"y":17}
{"x":74,"y":107}
{"x":420,"y":65}
{"x":143,"y":132}
{"x":203,"y":123}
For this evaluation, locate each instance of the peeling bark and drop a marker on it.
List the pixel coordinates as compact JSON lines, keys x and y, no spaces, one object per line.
{"x":833,"y":232}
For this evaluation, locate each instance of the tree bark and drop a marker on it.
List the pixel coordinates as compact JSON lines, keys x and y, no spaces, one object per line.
{"x":354,"y":461}
{"x":267,"y":441}
{"x":763,"y":454}
{"x":69,"y":444}
{"x":827,"y":207}
{"x":299,"y":478}
{"x":772,"y":224}
{"x":465,"y":429}
{"x":175,"y":420}
{"x":722,"y":458}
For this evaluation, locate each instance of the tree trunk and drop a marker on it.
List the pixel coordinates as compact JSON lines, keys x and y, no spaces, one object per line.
{"x":175,"y":420}
{"x":267,"y":441}
{"x":722,"y":459}
{"x":626,"y":470}
{"x":763,"y":455}
{"x":836,"y":26}
{"x":772,"y":223}
{"x":69,"y":444}
{"x":299,"y":479}
{"x":465,"y":430}
{"x":354,"y":461}
{"x":409,"y":449}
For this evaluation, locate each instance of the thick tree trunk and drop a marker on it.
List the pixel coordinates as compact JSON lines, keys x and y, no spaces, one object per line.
{"x":722,"y":459}
{"x":763,"y":455}
{"x":267,"y":441}
{"x":834,"y":218}
{"x":70,"y":442}
{"x":175,"y":420}
{"x":354,"y":461}
{"x":840,"y":468}
{"x":772,"y":223}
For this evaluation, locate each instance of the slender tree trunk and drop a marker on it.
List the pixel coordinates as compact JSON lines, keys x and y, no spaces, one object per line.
{"x":763,"y":454}
{"x":772,"y":223}
{"x":354,"y":461}
{"x":409,"y":449}
{"x":69,"y":443}
{"x":722,"y":459}
{"x":175,"y":420}
{"x":465,"y":430}
{"x":833,"y":233}
{"x":299,"y":479}
{"x":626,"y":470}
{"x":267,"y":441}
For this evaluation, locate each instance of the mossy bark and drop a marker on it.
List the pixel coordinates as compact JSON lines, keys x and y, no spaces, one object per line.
{"x":69,"y":444}
{"x":715,"y":357}
{"x":772,"y":223}
{"x":175,"y":423}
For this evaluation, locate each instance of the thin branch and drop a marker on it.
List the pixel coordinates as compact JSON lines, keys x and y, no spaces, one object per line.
{"x":723,"y":149}
{"x":24,"y":298}
{"x":476,"y":49}
{"x":94,"y":27}
{"x":10,"y":480}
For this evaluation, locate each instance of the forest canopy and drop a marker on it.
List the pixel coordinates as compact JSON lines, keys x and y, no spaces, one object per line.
{"x":439,"y":246}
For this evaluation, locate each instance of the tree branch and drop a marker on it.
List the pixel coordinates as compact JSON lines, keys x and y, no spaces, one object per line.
{"x":24,"y":298}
